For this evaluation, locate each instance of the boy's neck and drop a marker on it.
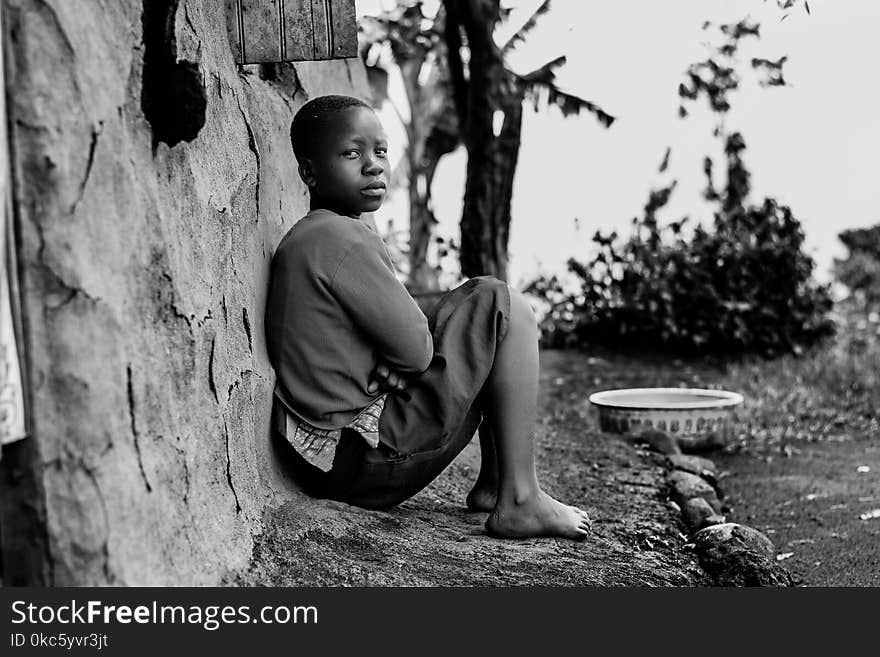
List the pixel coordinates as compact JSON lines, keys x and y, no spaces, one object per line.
{"x":316,"y":204}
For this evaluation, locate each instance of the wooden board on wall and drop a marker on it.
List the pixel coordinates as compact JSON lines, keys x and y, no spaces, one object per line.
{"x":262,"y":31}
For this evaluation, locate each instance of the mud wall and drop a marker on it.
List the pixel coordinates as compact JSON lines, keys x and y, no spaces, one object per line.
{"x":153,"y":179}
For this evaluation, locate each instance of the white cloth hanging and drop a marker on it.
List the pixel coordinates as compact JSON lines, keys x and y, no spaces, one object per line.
{"x":12,"y":418}
{"x":11,"y":400}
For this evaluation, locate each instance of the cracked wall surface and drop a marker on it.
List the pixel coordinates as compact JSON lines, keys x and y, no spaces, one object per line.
{"x":144,"y":270}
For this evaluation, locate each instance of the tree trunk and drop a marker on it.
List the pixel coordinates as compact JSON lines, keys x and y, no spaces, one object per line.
{"x":484,"y":89}
{"x":422,"y":276}
{"x":421,"y":221}
{"x":427,"y":102}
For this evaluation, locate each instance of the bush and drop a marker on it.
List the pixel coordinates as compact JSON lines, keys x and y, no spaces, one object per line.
{"x":745,"y":286}
{"x":860,"y":271}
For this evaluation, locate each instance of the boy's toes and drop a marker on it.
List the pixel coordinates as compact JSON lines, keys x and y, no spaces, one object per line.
{"x":581,"y":513}
{"x":584,"y":521}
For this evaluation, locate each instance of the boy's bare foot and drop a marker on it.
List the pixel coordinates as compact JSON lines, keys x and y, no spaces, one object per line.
{"x":539,"y":515}
{"x":483,"y":497}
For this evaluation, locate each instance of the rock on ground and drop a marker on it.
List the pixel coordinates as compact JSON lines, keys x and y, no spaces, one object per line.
{"x":736,"y":555}
{"x":694,"y":464}
{"x":706,"y":442}
{"x":697,"y":513}
{"x":686,"y":486}
{"x":659,"y":441}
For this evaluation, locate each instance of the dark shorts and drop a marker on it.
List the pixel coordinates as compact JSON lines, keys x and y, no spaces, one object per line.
{"x":424,"y":429}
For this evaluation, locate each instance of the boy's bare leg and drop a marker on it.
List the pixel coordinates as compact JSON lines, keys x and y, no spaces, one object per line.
{"x":484,"y":494}
{"x":522,"y":509}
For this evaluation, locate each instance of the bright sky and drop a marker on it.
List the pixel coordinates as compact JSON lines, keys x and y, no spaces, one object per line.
{"x":814,"y":145}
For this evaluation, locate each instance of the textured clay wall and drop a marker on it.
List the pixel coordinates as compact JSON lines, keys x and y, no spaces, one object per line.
{"x":153,"y":179}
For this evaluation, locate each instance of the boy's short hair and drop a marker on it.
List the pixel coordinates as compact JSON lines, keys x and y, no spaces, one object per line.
{"x":313,"y":118}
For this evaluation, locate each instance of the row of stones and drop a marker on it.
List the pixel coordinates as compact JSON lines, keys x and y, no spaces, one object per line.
{"x":730,"y":553}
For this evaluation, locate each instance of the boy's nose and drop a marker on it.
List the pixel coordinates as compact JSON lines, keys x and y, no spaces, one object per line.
{"x":373,"y":166}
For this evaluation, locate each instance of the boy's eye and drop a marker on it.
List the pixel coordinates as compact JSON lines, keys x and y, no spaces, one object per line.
{"x":350,"y":154}
{"x":382,"y":152}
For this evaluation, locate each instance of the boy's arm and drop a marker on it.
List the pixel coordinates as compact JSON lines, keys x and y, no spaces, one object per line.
{"x":369,"y":291}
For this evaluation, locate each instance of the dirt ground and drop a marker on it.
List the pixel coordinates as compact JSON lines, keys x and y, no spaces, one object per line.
{"x":433,"y":540}
{"x":820,"y":504}
{"x":805,"y":465}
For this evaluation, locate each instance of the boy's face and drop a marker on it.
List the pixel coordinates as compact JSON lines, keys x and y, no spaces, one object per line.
{"x":348,"y":172}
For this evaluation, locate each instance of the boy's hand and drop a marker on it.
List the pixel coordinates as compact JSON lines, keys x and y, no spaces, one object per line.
{"x":387,"y":379}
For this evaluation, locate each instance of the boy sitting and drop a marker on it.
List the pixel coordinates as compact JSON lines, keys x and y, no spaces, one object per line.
{"x":375,"y":397}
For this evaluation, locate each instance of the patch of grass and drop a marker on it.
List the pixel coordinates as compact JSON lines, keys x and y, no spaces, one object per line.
{"x":828,"y":393}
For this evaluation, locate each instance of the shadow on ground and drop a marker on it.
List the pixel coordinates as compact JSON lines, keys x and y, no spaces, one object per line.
{"x":432,"y":540}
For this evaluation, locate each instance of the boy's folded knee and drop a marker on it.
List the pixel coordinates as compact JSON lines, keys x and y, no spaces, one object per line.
{"x":498,"y":295}
{"x":487,"y":282}
{"x":489,"y":286}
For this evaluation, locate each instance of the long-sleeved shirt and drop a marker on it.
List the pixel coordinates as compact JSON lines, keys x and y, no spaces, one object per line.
{"x":335,"y":309}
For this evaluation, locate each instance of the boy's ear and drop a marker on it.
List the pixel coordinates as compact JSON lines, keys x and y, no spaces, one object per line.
{"x":307,"y":173}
